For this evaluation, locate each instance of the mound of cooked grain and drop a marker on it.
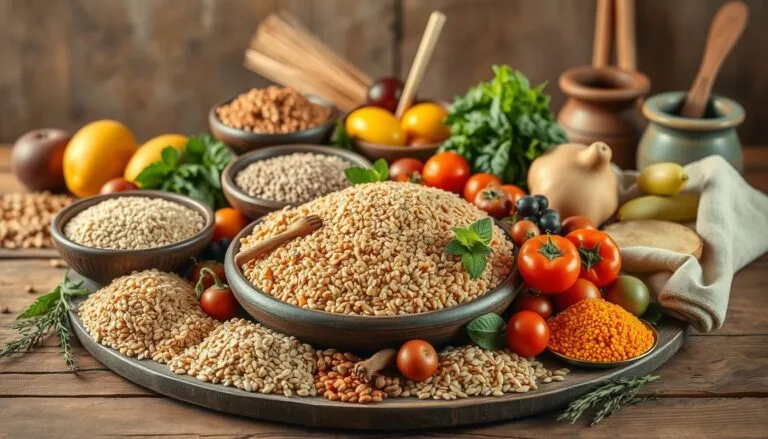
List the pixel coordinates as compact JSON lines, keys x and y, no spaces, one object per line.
{"x":147,"y":314}
{"x":133,"y":223}
{"x":380,"y":252}
{"x":473,"y":371}
{"x":250,"y":357}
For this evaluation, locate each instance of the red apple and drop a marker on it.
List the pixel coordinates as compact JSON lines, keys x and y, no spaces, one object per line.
{"x":118,"y":184}
{"x":37,"y":159}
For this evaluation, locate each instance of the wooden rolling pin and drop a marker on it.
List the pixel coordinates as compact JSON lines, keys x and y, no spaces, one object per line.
{"x":301,"y":227}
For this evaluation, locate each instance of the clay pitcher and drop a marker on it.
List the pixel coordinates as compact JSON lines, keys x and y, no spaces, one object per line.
{"x":602,"y":107}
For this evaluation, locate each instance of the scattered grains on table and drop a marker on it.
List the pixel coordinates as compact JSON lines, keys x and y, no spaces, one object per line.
{"x":272,"y":110}
{"x":293,"y":178}
{"x":147,"y":314}
{"x":133,"y":223}
{"x":380,"y":252}
{"x":30,"y":289}
{"x":336,"y":381}
{"x":25,"y":219}
{"x":251,"y":357}
{"x":57,"y":263}
{"x":597,"y":330}
{"x":472,"y":371}
{"x":5,"y":310}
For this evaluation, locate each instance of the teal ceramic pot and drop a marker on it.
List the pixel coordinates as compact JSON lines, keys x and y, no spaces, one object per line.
{"x":672,"y":138}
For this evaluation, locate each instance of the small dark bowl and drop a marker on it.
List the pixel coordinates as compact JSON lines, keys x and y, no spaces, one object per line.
{"x":103,"y":265}
{"x":242,"y":141}
{"x":360,"y":333}
{"x":253,"y":207}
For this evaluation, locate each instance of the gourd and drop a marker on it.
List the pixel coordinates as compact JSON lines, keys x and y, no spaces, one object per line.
{"x":578,"y":180}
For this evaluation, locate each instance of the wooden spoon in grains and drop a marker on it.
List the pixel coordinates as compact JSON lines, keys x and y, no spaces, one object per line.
{"x":301,"y":227}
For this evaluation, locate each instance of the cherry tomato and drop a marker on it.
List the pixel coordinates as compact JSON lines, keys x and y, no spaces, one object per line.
{"x":417,"y":360}
{"x":118,"y":184}
{"x":600,"y":256}
{"x":538,"y":303}
{"x":406,"y":169}
{"x":549,"y":264}
{"x":217,"y":300}
{"x":447,"y":171}
{"x":478,"y":182}
{"x":515,"y":193}
{"x":385,"y":93}
{"x":522,"y":231}
{"x":527,"y":334}
{"x":229,"y":222}
{"x":494,"y":201}
{"x":195,"y":273}
{"x":573,"y":223}
{"x":582,"y":289}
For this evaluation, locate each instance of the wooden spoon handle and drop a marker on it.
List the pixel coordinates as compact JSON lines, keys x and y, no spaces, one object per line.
{"x":601,"y":47}
{"x":266,"y":245}
{"x":626,"y":47}
{"x":726,"y":28}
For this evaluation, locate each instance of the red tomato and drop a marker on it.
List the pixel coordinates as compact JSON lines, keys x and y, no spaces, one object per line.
{"x":447,"y":171}
{"x":515,"y":193}
{"x":219,"y":302}
{"x":575,"y":223}
{"x":229,"y":222}
{"x":600,"y":256}
{"x":527,"y":334}
{"x":197,"y":272}
{"x":530,"y":301}
{"x":118,"y":184}
{"x":582,"y":289}
{"x":549,"y":264}
{"x":406,"y":169}
{"x":522,"y":231}
{"x":493,"y":201}
{"x":478,"y":182}
{"x":417,"y":360}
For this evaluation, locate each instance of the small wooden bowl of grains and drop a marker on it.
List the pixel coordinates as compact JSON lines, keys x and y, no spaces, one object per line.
{"x":272,"y":178}
{"x":272,"y":116}
{"x":107,"y":236}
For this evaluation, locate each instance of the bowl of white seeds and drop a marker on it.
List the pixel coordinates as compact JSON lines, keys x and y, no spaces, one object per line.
{"x":107,"y":236}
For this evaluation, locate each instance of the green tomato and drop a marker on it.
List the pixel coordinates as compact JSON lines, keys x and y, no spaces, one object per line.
{"x":629,"y":293}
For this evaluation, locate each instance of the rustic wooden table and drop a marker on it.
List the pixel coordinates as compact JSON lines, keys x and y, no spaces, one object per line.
{"x":716,"y":386}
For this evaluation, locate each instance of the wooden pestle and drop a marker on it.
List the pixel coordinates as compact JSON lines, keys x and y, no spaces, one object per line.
{"x":601,"y":47}
{"x":301,"y":227}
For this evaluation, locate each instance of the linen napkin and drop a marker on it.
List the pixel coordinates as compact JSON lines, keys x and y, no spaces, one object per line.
{"x":733,"y":222}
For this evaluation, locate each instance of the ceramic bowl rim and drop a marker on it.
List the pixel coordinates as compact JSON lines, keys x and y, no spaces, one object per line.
{"x":571,"y":83}
{"x":654,"y":109}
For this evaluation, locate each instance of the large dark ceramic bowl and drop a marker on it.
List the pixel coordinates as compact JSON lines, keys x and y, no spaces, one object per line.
{"x":242,"y":141}
{"x":360,"y":333}
{"x":103,"y":265}
{"x":254,"y":207}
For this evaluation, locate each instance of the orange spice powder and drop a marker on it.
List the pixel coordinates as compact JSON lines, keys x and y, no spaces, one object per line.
{"x":597,"y":330}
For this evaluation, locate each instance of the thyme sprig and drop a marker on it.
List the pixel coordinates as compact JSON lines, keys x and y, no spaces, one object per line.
{"x":48,"y":313}
{"x":609,"y":398}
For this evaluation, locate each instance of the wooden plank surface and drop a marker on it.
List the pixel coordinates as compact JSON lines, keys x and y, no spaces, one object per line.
{"x":717,"y":383}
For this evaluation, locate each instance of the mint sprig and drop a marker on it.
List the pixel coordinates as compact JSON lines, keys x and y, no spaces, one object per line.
{"x":359,"y":175}
{"x":472,"y":244}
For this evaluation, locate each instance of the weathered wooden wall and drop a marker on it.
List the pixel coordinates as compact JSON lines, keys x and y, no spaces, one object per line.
{"x":158,"y":65}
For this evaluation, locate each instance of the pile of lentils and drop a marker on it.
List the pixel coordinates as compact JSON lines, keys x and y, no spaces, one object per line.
{"x":293,"y":178}
{"x":272,"y":110}
{"x":133,"y":223}
{"x":147,"y":314}
{"x":380,"y":252}
{"x":25,"y":219}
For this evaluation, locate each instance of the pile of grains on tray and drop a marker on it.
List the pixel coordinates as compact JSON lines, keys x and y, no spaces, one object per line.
{"x":380,"y":252}
{"x":336,"y":381}
{"x":25,"y":218}
{"x":293,"y":178}
{"x":133,"y":223}
{"x":472,"y":371}
{"x":147,"y":314}
{"x":251,"y":357}
{"x":272,"y":110}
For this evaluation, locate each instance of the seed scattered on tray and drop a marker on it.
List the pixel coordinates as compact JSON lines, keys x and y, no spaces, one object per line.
{"x":472,"y":371}
{"x":251,"y":357}
{"x":293,"y":178}
{"x":336,"y":381}
{"x":25,"y":219}
{"x":380,"y":252}
{"x":133,"y":223}
{"x":272,"y":110}
{"x":147,"y":314}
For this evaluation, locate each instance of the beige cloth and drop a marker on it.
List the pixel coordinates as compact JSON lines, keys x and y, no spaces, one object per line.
{"x":733,"y":222}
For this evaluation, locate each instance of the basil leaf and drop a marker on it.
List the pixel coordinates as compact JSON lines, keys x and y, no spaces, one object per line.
{"x":455,"y":248}
{"x":483,"y":229}
{"x":474,"y":264}
{"x":487,"y":331}
{"x":170,"y":156}
{"x":358,"y":175}
{"x":153,"y":175}
{"x":382,"y":169}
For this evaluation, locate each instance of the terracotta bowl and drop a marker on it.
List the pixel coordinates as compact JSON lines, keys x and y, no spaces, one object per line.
{"x":103,"y":265}
{"x":242,"y":141}
{"x":362,"y":334}
{"x":254,"y":207}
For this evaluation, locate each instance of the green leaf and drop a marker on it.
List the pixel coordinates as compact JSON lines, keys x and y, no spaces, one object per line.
{"x":358,"y":175}
{"x":654,"y":313}
{"x":455,"y":248}
{"x":487,"y":331}
{"x":480,"y":248}
{"x":483,"y":229}
{"x":153,"y":175}
{"x":466,"y":237}
{"x":382,"y":169}
{"x":474,"y":264}
{"x":42,"y":305}
{"x":170,"y":156}
{"x":341,"y":139}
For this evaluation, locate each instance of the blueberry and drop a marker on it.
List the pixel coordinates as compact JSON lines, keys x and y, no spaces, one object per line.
{"x":527,"y":206}
{"x":550,"y":222}
{"x":543,"y":202}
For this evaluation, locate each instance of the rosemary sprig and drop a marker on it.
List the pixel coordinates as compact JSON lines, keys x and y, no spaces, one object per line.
{"x":610,"y":398}
{"x":48,"y":313}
